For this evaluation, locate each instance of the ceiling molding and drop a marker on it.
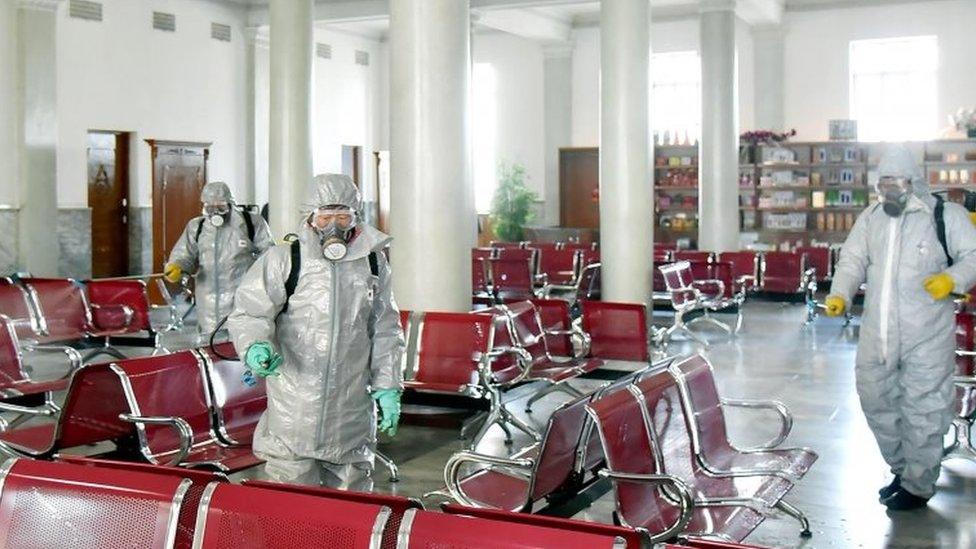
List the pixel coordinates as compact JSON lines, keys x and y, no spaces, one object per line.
{"x":820,"y":5}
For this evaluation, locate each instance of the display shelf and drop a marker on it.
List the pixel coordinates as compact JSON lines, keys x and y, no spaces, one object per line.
{"x":841,"y":209}
{"x":682,"y":167}
{"x":813,"y":187}
{"x":676,"y":188}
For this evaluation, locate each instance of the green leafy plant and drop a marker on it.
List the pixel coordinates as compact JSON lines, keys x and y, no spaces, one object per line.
{"x":511,"y":207}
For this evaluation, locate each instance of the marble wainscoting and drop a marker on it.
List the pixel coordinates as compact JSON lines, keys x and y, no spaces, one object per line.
{"x":74,"y":239}
{"x":9,"y":261}
{"x":140,"y":240}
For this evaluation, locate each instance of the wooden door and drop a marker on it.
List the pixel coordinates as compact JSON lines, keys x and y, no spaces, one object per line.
{"x":351,"y":162}
{"x":579,"y":188}
{"x":179,"y":173}
{"x":383,"y":189}
{"x":108,"y":198}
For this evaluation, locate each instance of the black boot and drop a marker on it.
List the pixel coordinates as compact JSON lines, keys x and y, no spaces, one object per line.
{"x":903,"y":500}
{"x":890,"y":489}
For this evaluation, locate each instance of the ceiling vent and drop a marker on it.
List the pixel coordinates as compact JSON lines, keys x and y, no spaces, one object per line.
{"x":219,"y":31}
{"x":362,"y":58}
{"x":323,"y":50}
{"x":84,"y":9}
{"x":164,"y":21}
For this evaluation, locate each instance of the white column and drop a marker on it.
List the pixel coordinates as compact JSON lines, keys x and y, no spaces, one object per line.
{"x":250,"y":114}
{"x":718,"y":194}
{"x":38,"y":189}
{"x":9,"y":103}
{"x":626,"y":181}
{"x":290,"y":154}
{"x":769,"y":71}
{"x":558,"y":96}
{"x":432,"y":214}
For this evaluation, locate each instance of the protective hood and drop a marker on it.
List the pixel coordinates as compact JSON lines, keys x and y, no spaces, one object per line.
{"x":898,"y":161}
{"x":216,"y":191}
{"x":331,"y":188}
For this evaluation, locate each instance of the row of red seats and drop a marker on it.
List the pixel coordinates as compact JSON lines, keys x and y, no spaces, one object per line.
{"x":772,"y":272}
{"x":522,"y":273}
{"x":639,"y":455}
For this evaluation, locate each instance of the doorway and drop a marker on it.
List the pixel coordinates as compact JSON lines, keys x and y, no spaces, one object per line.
{"x":108,"y":198}
{"x":351,"y":156}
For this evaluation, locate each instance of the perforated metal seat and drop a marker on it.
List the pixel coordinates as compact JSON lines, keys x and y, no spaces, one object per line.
{"x":618,"y":331}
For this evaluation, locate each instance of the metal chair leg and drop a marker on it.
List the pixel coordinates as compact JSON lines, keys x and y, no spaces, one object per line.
{"x":792,"y":511}
{"x":962,"y":445}
{"x":388,"y":463}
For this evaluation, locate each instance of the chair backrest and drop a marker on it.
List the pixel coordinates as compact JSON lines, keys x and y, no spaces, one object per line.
{"x":555,"y":316}
{"x":556,"y":263}
{"x":588,"y":286}
{"x":11,"y":365}
{"x":234,"y":516}
{"x":16,"y":304}
{"x":617,"y":331}
{"x":783,"y":271}
{"x":696,"y":382}
{"x":589,"y":256}
{"x":559,"y":454}
{"x":398,"y":505}
{"x":527,"y":327}
{"x":91,"y":409}
{"x":50,"y":504}
{"x":451,"y":347}
{"x":480,"y":279}
{"x":628,"y":449}
{"x":744,"y":263}
{"x":820,"y":258}
{"x":965,"y":341}
{"x":513,"y":274}
{"x":692,"y":255}
{"x":724,"y":273}
{"x":678,"y":278}
{"x":484,"y":253}
{"x":501,"y":245}
{"x":131,"y":293}
{"x":62,"y":308}
{"x":237,"y":405}
{"x":171,"y":385}
{"x":581,"y":246}
{"x":427,"y":530}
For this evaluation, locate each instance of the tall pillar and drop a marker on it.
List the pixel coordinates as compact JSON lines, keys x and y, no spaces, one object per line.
{"x":769,"y":72}
{"x":558,"y":97}
{"x":432,"y":213}
{"x":38,"y":186}
{"x":290,"y":139}
{"x":9,"y":137}
{"x":626,"y":181}
{"x":250,"y":113}
{"x":718,"y":194}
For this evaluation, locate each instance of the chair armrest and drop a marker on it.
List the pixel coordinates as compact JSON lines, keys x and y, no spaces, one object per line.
{"x":452,"y":471}
{"x":178,"y":424}
{"x":673,"y":487}
{"x":524,"y":360}
{"x":577,"y":332}
{"x":74,"y":357}
{"x":48,"y":409}
{"x":709,"y":283}
{"x":784,"y":414}
{"x":964,"y":381}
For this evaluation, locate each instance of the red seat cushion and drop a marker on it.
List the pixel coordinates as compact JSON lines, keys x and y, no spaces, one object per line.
{"x":497,"y":489}
{"x":30,"y":440}
{"x":226,"y":459}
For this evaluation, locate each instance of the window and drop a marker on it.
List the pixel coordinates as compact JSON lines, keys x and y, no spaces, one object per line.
{"x":893,"y":95}
{"x":676,"y":94}
{"x":484,"y":135}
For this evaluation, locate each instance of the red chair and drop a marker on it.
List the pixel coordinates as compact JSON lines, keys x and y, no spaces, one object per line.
{"x":965,"y":381}
{"x":398,"y":505}
{"x":481,"y":285}
{"x":17,"y":305}
{"x":586,"y":246}
{"x":745,"y":269}
{"x":237,"y":406}
{"x":514,"y":278}
{"x":233,"y":516}
{"x":561,"y":267}
{"x":426,"y":530}
{"x":169,"y":402}
{"x":692,"y":255}
{"x":109,"y":298}
{"x":786,"y":273}
{"x":712,"y":449}
{"x":541,"y":471}
{"x":19,"y":394}
{"x":44,"y":504}
{"x":501,"y":245}
{"x":588,"y":286}
{"x":688,"y":294}
{"x":559,"y":328}
{"x":640,"y":482}
{"x":632,"y":539}
{"x":820,"y":258}
{"x":618,"y":331}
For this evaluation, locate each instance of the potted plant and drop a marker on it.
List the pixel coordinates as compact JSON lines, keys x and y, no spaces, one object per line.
{"x":511,"y":206}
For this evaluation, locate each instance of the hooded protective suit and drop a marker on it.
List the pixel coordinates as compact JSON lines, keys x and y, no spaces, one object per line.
{"x":219,"y":256}
{"x":905,"y":355}
{"x":340,"y":338}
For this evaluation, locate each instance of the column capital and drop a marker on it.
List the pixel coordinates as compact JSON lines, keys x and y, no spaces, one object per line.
{"x":256,"y":36}
{"x":39,"y":5}
{"x":557,"y":51}
{"x":706,"y":6}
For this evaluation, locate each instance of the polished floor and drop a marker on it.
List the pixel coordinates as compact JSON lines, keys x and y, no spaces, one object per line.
{"x":810,"y":368}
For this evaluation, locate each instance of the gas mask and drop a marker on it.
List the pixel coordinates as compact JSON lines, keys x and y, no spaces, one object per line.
{"x":894,"y":193}
{"x":216,"y":213}
{"x":335,"y":227}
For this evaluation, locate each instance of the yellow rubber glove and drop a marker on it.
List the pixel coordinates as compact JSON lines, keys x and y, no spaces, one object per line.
{"x":939,"y":286}
{"x":835,"y":305}
{"x":172,"y":272}
{"x":972,"y":217}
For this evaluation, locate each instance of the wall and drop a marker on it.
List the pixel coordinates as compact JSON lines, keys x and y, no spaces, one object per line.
{"x":121,"y":74}
{"x":816,"y":57}
{"x":666,"y":36}
{"x":520,"y":130}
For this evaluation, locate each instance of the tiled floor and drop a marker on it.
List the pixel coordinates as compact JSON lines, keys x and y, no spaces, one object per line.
{"x":811,"y":370}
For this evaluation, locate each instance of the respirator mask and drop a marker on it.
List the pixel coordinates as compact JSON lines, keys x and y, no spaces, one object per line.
{"x":335,"y":227}
{"x":894,"y":193}
{"x":216,"y":213}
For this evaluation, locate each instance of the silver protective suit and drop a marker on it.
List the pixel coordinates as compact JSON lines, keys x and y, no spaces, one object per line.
{"x":340,"y":338}
{"x":905,"y":354}
{"x":219,"y":257}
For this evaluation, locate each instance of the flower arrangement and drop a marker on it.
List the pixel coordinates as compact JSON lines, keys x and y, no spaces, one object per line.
{"x":965,"y":120}
{"x":766,"y":136}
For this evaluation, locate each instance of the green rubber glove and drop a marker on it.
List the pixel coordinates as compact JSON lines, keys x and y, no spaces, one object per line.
{"x":389,"y":402}
{"x":262,"y":359}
